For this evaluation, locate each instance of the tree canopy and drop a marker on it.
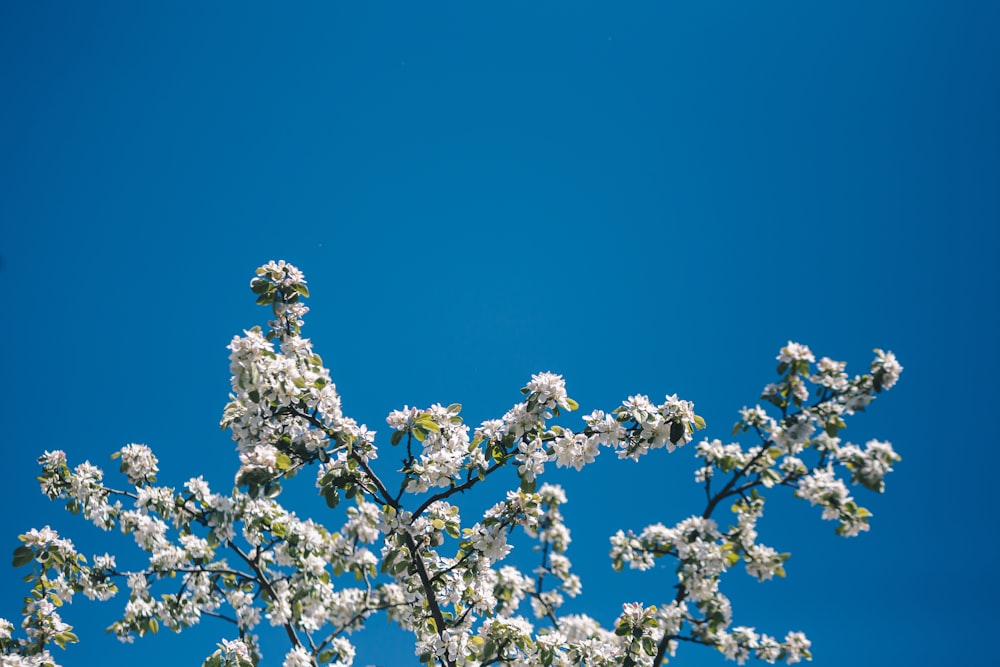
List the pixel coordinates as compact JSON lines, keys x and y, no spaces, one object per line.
{"x":398,"y":541}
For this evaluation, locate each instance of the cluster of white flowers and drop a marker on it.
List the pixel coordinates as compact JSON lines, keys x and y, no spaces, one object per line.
{"x":869,"y":466}
{"x":411,"y":554}
{"x":138,"y":463}
{"x":232,"y":653}
{"x":445,"y":452}
{"x":549,"y":391}
{"x":575,"y":450}
{"x":742,"y":643}
{"x":670,"y":424}
{"x":885,"y":370}
{"x":822,"y":487}
{"x":794,"y":352}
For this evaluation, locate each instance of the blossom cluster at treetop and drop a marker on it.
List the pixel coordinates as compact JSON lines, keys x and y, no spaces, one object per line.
{"x":408,"y":553}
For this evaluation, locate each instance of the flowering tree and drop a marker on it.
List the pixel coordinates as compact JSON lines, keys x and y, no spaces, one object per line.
{"x":411,"y":555}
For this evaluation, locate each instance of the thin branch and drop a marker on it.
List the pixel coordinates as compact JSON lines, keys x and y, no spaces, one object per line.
{"x":428,"y":587}
{"x":215,"y":614}
{"x":262,"y":579}
{"x":468,"y":484}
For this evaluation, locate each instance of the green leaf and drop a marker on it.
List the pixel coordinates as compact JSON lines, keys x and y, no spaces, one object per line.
{"x":23,"y":555}
{"x":283,"y":461}
{"x":528,"y":487}
{"x":397,"y":436}
{"x":301,"y":289}
{"x":573,"y":405}
{"x":427,"y":422}
{"x":648,"y":645}
{"x":699,"y":422}
{"x":677,"y":431}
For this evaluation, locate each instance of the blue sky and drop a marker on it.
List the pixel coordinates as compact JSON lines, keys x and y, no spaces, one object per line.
{"x":652,"y":198}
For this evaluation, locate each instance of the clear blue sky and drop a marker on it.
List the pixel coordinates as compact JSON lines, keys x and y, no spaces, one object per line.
{"x":646,"y":198}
